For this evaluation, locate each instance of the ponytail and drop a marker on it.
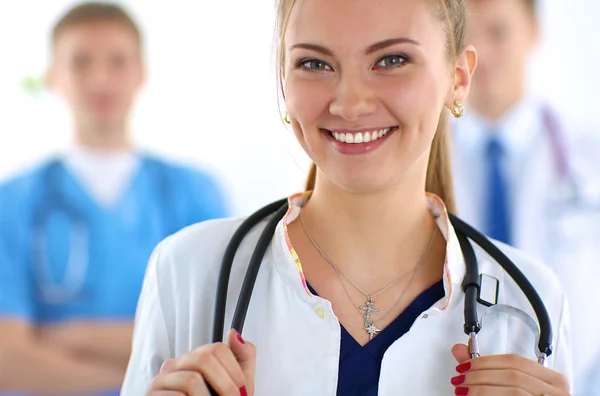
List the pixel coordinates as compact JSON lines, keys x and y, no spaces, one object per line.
{"x":439,"y":169}
{"x":311,"y":179}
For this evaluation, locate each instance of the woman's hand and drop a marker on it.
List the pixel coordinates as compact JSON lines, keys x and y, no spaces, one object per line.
{"x":505,"y":375}
{"x":229,"y":370}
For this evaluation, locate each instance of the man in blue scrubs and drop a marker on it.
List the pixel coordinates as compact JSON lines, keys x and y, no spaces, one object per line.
{"x":76,"y":232}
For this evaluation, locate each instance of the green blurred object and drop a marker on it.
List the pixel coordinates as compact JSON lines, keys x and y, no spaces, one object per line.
{"x":33,"y":84}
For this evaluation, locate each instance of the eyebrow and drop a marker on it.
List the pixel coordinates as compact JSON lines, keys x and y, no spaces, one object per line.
{"x":372,"y":48}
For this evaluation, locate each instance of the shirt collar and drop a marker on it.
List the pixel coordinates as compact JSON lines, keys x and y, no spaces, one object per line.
{"x":516,"y":130}
{"x":290,"y":266}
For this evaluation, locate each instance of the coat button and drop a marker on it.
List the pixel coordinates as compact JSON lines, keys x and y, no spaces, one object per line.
{"x":321,"y":313}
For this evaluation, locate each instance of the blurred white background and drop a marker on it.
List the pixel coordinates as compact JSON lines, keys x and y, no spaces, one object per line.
{"x":211,"y":95}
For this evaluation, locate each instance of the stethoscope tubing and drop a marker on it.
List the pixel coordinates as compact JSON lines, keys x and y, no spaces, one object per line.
{"x":471,"y":283}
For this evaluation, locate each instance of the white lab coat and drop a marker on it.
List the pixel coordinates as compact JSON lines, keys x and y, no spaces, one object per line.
{"x":297,"y":335}
{"x":569,"y":243}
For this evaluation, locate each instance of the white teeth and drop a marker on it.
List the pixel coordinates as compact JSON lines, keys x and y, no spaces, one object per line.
{"x":360,"y":137}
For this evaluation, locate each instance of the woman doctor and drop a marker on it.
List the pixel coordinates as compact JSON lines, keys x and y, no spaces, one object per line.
{"x":359,"y":292}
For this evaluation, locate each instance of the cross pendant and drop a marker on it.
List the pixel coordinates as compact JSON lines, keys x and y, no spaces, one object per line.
{"x":372,"y":330}
{"x":369,"y":308}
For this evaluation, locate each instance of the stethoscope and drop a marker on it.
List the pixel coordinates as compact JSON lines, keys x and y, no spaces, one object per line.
{"x":566,"y":189}
{"x":567,"y":205}
{"x":471,"y":284}
{"x":54,"y":202}
{"x":559,"y":149}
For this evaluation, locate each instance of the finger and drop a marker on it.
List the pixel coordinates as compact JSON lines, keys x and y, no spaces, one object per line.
{"x":168,"y":366}
{"x":491,"y":390}
{"x":228,"y":360}
{"x":245,"y":354}
{"x":210,"y":362}
{"x":164,"y":393}
{"x":504,"y":379}
{"x":461,"y":353}
{"x":519,"y":363}
{"x":189,"y":383}
{"x":194,"y":359}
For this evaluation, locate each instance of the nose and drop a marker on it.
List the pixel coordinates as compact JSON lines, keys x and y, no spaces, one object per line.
{"x":353,"y":99}
{"x":99,"y":76}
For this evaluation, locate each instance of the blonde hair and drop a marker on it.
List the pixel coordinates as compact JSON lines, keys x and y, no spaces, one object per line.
{"x":439,"y":176}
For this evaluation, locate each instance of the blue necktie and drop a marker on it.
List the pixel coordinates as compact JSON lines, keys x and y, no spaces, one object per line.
{"x":497,"y":214}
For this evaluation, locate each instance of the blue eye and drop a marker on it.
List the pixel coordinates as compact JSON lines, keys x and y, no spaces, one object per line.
{"x":315,"y":65}
{"x":392,"y":61}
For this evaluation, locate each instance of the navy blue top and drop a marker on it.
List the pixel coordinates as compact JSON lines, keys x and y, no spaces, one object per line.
{"x":360,"y":365}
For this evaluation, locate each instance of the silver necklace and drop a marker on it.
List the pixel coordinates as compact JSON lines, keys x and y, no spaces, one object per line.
{"x":369,"y":307}
{"x":370,"y":325}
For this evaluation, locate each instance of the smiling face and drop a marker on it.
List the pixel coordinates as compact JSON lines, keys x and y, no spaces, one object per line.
{"x":365,"y":82}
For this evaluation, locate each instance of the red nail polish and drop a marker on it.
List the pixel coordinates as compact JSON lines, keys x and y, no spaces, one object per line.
{"x":240,"y":339}
{"x":463,"y":368}
{"x":458,"y":380}
{"x":243,"y":391}
{"x":461,"y":391}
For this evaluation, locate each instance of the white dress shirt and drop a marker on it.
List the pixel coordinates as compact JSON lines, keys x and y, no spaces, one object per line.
{"x":563,"y":234}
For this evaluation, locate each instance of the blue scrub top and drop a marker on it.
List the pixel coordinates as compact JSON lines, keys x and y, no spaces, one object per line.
{"x":40,"y":210}
{"x":360,"y":366}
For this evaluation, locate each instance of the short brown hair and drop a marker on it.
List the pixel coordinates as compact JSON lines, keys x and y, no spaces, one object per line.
{"x":95,"y":12}
{"x":530,"y":5}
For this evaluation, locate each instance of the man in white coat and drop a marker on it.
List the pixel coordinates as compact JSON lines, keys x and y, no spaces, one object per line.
{"x":524,"y":179}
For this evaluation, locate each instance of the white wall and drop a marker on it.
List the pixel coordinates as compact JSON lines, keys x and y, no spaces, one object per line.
{"x":211,"y":94}
{"x":566,"y":68}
